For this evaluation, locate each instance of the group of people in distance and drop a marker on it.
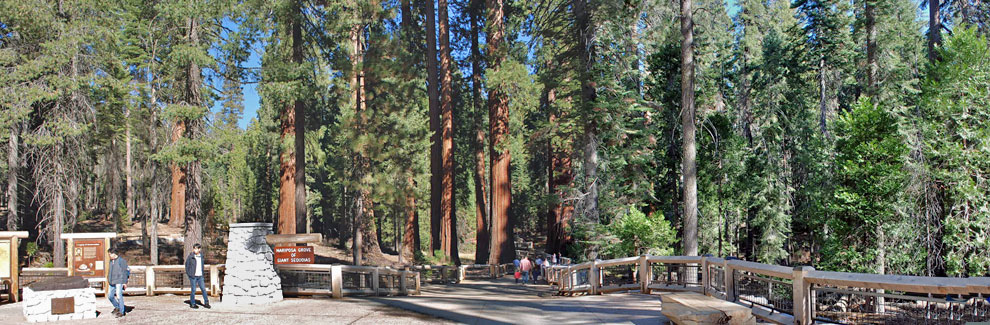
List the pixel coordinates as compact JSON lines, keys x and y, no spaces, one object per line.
{"x":119,"y":273}
{"x":526,"y":267}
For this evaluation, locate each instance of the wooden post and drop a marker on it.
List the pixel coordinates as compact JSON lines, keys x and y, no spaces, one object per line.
{"x":149,"y":280}
{"x":417,"y":283}
{"x":68,"y":253}
{"x":705,"y":275}
{"x":729,"y":281}
{"x":214,"y":281}
{"x":644,"y":274}
{"x":15,"y":268}
{"x":593,"y":276}
{"x":803,"y":310}
{"x":375,"y":280}
{"x":402,"y":282}
{"x":336,"y":281}
{"x":461,"y":273}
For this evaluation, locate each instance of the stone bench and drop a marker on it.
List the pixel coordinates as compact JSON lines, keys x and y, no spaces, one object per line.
{"x":685,"y":308}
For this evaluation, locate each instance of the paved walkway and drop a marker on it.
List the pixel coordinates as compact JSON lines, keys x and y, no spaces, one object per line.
{"x":503,"y":302}
{"x":293,"y":311}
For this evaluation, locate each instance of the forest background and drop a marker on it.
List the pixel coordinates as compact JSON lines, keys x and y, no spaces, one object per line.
{"x":848,"y":135}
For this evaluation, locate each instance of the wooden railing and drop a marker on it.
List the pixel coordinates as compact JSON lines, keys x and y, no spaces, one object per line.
{"x":798,"y":295}
{"x":345,"y":280}
{"x":144,"y":280}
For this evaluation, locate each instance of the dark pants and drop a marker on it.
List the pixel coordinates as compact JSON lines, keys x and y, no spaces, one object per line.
{"x":193,"y":282}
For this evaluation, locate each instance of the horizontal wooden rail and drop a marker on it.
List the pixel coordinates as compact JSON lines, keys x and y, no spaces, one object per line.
{"x":722,"y":278}
{"x":408,"y":281}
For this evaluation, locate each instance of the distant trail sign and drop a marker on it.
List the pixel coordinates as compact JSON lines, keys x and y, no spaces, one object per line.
{"x":294,"y":255}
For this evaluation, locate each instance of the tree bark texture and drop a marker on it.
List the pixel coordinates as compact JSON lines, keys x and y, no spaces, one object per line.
{"x":689,"y":151}
{"x":177,"y":203}
{"x":483,"y":235}
{"x":559,"y":174}
{"x":12,"y":170}
{"x":193,"y":219}
{"x":448,"y":233}
{"x":436,"y":161}
{"x":292,"y":186}
{"x":410,"y":239}
{"x":934,"y":29}
{"x":503,"y":239}
{"x":586,"y":53}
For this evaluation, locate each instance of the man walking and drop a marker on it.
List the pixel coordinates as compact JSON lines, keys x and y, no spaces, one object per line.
{"x":194,"y":270}
{"x":525,"y":266}
{"x":117,"y":275}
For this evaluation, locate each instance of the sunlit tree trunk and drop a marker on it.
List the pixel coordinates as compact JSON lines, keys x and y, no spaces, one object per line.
{"x":194,"y":188}
{"x":483,"y":237}
{"x":177,"y":203}
{"x":688,"y":164}
{"x":503,"y":241}
{"x":292,"y":187}
{"x":448,"y":233}
{"x":436,"y":161}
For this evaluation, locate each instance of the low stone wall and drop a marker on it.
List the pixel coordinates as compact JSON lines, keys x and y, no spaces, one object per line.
{"x":250,"y":277}
{"x":38,"y":304}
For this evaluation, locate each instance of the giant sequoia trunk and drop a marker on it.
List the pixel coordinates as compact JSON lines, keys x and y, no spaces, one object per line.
{"x":503,"y":241}
{"x":483,"y":235}
{"x":448,"y":220}
{"x":177,"y":203}
{"x":688,"y":163}
{"x":193,"y":219}
{"x":558,"y":175}
{"x":436,"y":162}
{"x":292,"y":187}
{"x":410,"y":238}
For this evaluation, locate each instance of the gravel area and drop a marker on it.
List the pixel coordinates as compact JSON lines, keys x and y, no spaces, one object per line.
{"x":169,"y":309}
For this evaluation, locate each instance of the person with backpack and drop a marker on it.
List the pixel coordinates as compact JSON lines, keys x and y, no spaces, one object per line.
{"x":195,"y":267}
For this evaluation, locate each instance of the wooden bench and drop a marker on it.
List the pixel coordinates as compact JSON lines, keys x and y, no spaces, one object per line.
{"x":685,"y":308}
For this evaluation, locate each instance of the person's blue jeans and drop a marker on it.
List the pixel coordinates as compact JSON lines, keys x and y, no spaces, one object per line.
{"x":116,"y":297}
{"x":193,"y":282}
{"x":525,"y":276}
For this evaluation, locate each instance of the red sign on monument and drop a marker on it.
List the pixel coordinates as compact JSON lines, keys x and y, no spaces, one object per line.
{"x":294,"y":255}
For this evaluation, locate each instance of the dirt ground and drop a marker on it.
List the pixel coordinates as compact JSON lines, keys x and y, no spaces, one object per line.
{"x":169,"y":309}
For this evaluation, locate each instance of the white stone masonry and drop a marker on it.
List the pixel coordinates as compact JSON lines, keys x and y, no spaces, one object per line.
{"x":250,"y":278}
{"x":38,"y":304}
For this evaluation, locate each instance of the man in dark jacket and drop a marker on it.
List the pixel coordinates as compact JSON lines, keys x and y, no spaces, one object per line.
{"x":195,"y":266}
{"x":117,"y":275}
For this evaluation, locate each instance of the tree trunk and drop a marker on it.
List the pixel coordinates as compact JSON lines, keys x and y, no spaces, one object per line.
{"x":12,"y":164}
{"x":934,"y":29}
{"x":410,"y":239}
{"x":128,"y":168}
{"x":448,"y":232}
{"x":503,"y":241}
{"x":586,"y":53}
{"x":357,"y":240}
{"x":193,"y":218}
{"x":57,"y":222}
{"x":300,"y":129}
{"x":177,"y":204}
{"x":155,"y":198}
{"x":292,"y":183}
{"x":871,"y":49}
{"x":559,"y":173}
{"x":483,"y":235}
{"x":436,"y":161}
{"x":688,"y":165}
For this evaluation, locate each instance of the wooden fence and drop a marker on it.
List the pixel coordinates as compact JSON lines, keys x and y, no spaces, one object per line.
{"x":798,"y":295}
{"x":346,"y":280}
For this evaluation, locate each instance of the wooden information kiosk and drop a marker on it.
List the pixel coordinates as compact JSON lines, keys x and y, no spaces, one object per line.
{"x":87,"y":255}
{"x":9,"y":264}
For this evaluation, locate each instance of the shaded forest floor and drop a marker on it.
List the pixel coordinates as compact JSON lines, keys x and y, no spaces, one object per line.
{"x":170,"y":246}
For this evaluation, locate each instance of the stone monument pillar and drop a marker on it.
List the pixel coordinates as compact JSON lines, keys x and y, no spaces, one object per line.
{"x":250,"y":278}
